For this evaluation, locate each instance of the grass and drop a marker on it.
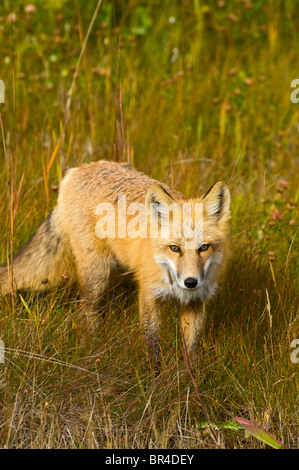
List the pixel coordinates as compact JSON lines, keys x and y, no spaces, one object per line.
{"x":189,"y":92}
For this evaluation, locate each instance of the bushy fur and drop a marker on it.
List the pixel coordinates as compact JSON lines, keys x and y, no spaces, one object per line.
{"x":66,"y":246}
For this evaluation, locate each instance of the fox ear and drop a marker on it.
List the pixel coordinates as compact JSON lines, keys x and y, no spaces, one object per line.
{"x":216,"y":202}
{"x":157,"y":201}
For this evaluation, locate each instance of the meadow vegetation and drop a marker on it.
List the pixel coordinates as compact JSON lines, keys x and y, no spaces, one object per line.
{"x":190,"y":92}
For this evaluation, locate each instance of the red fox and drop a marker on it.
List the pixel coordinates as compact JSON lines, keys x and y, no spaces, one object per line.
{"x":89,"y":237}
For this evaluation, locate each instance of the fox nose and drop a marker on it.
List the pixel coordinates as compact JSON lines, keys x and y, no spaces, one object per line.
{"x":190,"y":282}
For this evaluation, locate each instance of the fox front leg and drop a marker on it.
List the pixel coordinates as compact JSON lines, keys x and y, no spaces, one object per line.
{"x":149,"y":312}
{"x":192,"y":324}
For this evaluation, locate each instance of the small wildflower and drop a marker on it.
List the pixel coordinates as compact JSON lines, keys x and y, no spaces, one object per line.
{"x":166,"y":82}
{"x":249,"y":81}
{"x":30,"y":8}
{"x":282,"y":185}
{"x":277,"y":215}
{"x":180,"y":73}
{"x":232,"y":17}
{"x":291,"y":205}
{"x":12,"y":17}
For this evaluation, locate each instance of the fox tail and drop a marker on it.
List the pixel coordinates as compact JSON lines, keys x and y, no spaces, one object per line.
{"x":42,"y":263}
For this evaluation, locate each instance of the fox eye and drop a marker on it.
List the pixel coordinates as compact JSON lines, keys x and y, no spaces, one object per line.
{"x":175,"y":248}
{"x":204,"y":247}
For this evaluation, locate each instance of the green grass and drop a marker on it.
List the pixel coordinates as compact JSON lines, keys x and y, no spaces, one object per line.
{"x":189,"y":92}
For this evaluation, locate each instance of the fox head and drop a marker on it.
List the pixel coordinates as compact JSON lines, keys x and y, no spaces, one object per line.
{"x":190,"y":240}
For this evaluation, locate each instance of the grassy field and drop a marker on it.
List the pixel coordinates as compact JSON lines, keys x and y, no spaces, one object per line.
{"x":190,"y":92}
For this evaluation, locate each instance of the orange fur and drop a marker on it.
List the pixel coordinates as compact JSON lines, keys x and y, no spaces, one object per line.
{"x":67,"y":245}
